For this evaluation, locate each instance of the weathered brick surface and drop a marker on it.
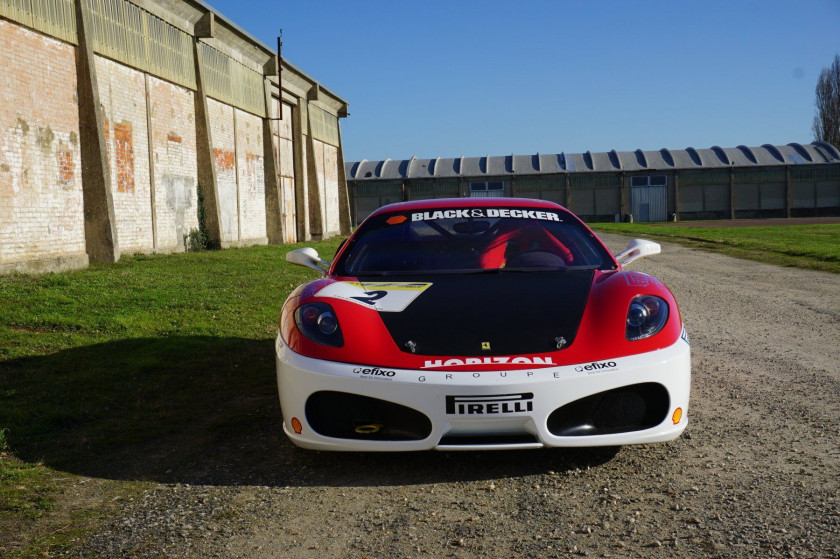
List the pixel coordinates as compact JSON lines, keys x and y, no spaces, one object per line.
{"x":285,"y":151}
{"x":251,"y":173}
{"x":41,"y":212}
{"x":41,"y":195}
{"x":304,"y":217}
{"x":122,"y":93}
{"x":174,"y":152}
{"x":329,"y":199}
{"x":222,"y":136}
{"x":318,"y":156}
{"x":326,"y":166}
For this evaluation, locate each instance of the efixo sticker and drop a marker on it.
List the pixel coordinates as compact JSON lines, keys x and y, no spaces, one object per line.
{"x":381,"y":296}
{"x":597,"y":367}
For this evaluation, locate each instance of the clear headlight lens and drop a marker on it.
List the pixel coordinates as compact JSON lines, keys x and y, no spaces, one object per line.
{"x":646,"y":316}
{"x":317,"y":322}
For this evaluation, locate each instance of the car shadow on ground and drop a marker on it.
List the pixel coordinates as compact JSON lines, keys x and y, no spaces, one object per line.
{"x":204,"y":410}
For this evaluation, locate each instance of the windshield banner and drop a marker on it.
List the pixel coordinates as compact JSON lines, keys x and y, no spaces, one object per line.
{"x":517,"y":213}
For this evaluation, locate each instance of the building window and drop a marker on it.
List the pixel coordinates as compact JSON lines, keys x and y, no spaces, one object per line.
{"x":649,"y":180}
{"x":487,"y":189}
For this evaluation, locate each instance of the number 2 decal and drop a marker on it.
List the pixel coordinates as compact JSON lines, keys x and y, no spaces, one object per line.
{"x":371,"y":296}
{"x":382,"y":296}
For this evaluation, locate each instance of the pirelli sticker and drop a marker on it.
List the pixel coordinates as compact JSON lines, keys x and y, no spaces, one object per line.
{"x":381,"y":296}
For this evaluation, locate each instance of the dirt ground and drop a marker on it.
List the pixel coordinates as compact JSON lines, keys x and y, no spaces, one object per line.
{"x":757,"y":473}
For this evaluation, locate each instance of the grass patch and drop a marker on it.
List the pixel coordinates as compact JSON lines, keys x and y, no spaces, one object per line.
{"x":815,"y":247}
{"x":153,"y":368}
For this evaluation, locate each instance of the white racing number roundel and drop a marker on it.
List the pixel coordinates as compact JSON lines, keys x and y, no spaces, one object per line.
{"x":382,"y":296}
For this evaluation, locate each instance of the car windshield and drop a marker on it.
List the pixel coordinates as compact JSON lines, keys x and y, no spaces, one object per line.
{"x":475,"y":240}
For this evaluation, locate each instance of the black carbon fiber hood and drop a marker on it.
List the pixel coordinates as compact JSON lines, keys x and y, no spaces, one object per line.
{"x":512,"y":313}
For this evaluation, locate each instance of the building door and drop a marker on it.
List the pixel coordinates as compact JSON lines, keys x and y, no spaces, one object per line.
{"x":649,"y":203}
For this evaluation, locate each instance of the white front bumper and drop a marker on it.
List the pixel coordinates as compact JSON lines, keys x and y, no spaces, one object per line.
{"x":426,"y":391}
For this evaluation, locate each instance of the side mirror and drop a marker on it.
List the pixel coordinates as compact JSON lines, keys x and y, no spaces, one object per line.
{"x":309,"y":258}
{"x":637,"y":248}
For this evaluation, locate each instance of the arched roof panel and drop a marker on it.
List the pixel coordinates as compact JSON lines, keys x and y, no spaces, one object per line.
{"x":552,"y":162}
{"x":448,"y":167}
{"x":655,"y":161}
{"x":497,"y":165}
{"x":721,"y":155}
{"x":526,"y":164}
{"x":421,"y":168}
{"x":604,"y":161}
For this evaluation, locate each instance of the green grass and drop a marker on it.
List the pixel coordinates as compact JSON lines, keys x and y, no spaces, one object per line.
{"x":815,"y":247}
{"x":149,"y":369}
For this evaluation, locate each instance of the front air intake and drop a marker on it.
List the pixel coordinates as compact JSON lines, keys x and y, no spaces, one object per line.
{"x":621,"y":410}
{"x":350,"y":416}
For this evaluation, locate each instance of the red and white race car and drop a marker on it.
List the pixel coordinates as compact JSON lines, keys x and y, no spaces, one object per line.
{"x":489,"y":323}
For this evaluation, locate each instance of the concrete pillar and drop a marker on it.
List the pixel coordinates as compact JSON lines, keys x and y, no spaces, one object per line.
{"x":238,"y":176}
{"x":101,"y":240}
{"x":676,"y":196}
{"x":344,"y":220}
{"x":625,"y":195}
{"x":731,"y":194}
{"x":568,"y":193}
{"x":788,"y":192}
{"x":151,"y":142}
{"x":316,"y":219}
{"x":207,"y":181}
{"x":273,"y":197}
{"x":301,"y":200}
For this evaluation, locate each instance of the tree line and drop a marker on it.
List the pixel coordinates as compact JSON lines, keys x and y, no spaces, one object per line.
{"x":826,"y":125}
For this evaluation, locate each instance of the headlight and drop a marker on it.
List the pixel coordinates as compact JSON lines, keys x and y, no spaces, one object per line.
{"x":317,"y":322}
{"x":645,"y":317}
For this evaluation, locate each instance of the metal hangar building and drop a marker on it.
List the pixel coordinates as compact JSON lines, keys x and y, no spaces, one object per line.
{"x":688,"y":184}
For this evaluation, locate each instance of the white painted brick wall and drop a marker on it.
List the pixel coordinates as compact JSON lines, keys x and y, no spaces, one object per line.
{"x":251,"y":172}
{"x":122,"y":93}
{"x":176,"y":170}
{"x":41,"y":211}
{"x":332,"y":225}
{"x":221,"y":134}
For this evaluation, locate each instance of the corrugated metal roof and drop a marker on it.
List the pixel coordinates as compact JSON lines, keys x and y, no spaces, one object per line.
{"x":613,"y":161}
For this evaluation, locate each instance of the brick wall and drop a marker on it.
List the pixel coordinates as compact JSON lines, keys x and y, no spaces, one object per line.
{"x":224,"y":150}
{"x":304,"y":221}
{"x":122,"y":93}
{"x":318,"y":156}
{"x":174,"y":153}
{"x":326,"y":165}
{"x":332,"y":224}
{"x":251,"y":173}
{"x":41,"y":211}
{"x":148,"y":126}
{"x":284,"y":147}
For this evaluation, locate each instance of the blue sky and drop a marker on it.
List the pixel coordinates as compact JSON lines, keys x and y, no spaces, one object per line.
{"x":474,"y":78}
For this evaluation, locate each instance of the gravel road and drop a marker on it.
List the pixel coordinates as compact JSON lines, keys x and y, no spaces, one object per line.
{"x":756,"y":474}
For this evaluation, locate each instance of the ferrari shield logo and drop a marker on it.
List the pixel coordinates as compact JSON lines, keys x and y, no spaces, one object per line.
{"x":485,"y":346}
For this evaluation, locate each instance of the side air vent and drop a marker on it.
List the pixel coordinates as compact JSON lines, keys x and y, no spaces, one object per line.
{"x":621,"y":410}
